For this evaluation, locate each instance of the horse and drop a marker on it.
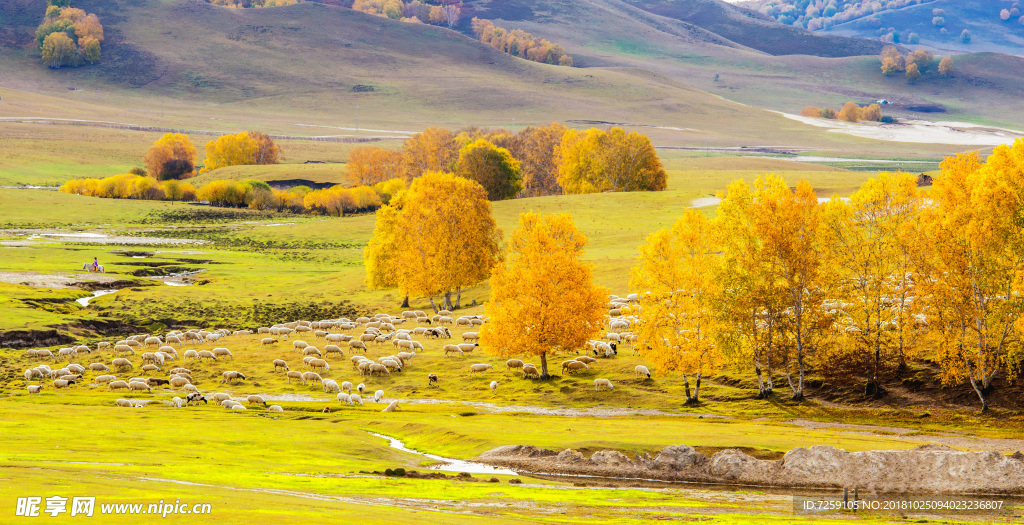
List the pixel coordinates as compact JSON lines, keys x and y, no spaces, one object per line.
{"x":88,"y":266}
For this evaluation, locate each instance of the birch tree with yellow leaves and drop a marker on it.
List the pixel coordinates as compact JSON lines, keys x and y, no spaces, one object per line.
{"x":434,"y":239}
{"x":675,"y":278}
{"x":543,"y":299}
{"x":976,"y":229}
{"x":879,"y":316}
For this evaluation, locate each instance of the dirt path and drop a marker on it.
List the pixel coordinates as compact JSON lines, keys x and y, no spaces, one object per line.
{"x":54,"y":281}
{"x":1006,"y":446}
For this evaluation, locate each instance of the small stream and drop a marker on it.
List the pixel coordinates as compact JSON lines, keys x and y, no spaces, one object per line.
{"x":448,"y":464}
{"x":98,"y":293}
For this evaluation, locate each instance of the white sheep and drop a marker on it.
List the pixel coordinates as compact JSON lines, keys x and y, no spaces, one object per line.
{"x":280,"y":363}
{"x":206,"y":354}
{"x":355,"y":398}
{"x":121,"y":362}
{"x":232,"y":375}
{"x":63,"y":383}
{"x":177,"y":402}
{"x":123,"y":403}
{"x":344,"y":398}
{"x":347,"y":387}
{"x":191,"y":355}
{"x":480,"y":367}
{"x":377,"y":396}
{"x":311,"y":376}
{"x":494,"y":387}
{"x":275,"y":408}
{"x":471,"y":336}
{"x":602,"y":384}
{"x":115,"y":385}
{"x":220,"y":398}
{"x":391,"y":407}
{"x":223,"y":352}
{"x":35,"y":389}
{"x":256,"y":400}
{"x":294,"y":374}
{"x":98,"y":367}
{"x":641,"y":371}
{"x":360,"y":388}
{"x":139,"y":385}
{"x":331,"y":385}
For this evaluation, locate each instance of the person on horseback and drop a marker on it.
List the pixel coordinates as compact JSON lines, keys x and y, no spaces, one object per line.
{"x":95,"y":264}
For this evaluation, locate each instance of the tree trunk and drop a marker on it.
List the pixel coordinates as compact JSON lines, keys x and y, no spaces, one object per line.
{"x":447,"y":300}
{"x":686,"y":384}
{"x":760,"y":383}
{"x":432,"y":305}
{"x":696,"y":392}
{"x":981,"y":394}
{"x":405,"y":302}
{"x":458,"y":298}
{"x":798,"y":390}
{"x":544,"y":366}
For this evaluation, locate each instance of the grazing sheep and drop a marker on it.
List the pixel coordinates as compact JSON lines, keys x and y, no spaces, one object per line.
{"x":355,"y":398}
{"x":150,"y":368}
{"x":114,"y":385}
{"x":123,"y":349}
{"x":220,"y":398}
{"x":347,"y":387}
{"x":154,"y":341}
{"x":156,"y":381}
{"x":391,"y":407}
{"x":294,"y":374}
{"x":311,"y":350}
{"x":331,"y":385}
{"x":641,"y":371}
{"x":280,"y":363}
{"x":238,"y":406}
{"x":480,"y":367}
{"x":139,"y":385}
{"x":176,"y":402}
{"x":267,"y":341}
{"x":275,"y":408}
{"x":35,"y":389}
{"x":65,"y":352}
{"x":76,"y":369}
{"x":311,"y":376}
{"x":602,"y":384}
{"x":231,"y":375}
{"x":256,"y":400}
{"x":102,"y":345}
{"x":98,"y":367}
{"x":195,"y":397}
{"x":494,"y":387}
{"x":206,"y":354}
{"x":357,"y":345}
{"x":471,"y":336}
{"x":172,"y":339}
{"x":121,"y":362}
{"x":513,"y":363}
{"x":299,"y":345}
{"x":319,"y":363}
{"x":223,"y":352}
{"x":586,"y":359}
{"x":377,"y":396}
{"x":179,"y":381}
{"x":391,"y":364}
{"x":333,"y":349}
{"x":32,"y":373}
{"x":104,"y":379}
{"x":574,"y":366}
{"x":605,"y":350}
{"x":344,"y":398}
{"x":468,"y":347}
{"x":191,"y":355}
{"x":123,"y":403}
{"x":82,"y":349}
{"x":431,"y":379}
{"x":360,"y":388}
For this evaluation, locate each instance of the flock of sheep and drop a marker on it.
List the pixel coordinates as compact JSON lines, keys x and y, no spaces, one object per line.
{"x":380,"y":331}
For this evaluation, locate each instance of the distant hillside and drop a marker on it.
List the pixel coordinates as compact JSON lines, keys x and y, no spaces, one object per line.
{"x":708,"y":21}
{"x":937,"y":23}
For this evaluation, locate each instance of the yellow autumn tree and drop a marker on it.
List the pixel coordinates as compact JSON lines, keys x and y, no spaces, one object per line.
{"x":946,"y":66}
{"x":368,"y":165}
{"x":434,"y":149}
{"x":172,"y":156}
{"x":594,"y":161}
{"x":795,"y":251}
{"x":267,"y":152}
{"x":976,"y":268}
{"x":438,"y":238}
{"x":493,"y":167}
{"x":543,"y":299}
{"x":537,"y":155}
{"x":750,"y":306}
{"x":230,"y":150}
{"x":877,"y":313}
{"x":676,"y":279}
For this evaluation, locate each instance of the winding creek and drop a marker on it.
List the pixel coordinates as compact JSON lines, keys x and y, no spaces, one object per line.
{"x":448,"y":464}
{"x":84,"y":301}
